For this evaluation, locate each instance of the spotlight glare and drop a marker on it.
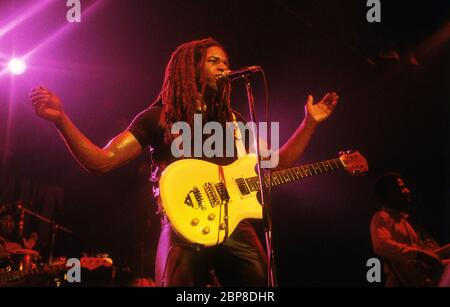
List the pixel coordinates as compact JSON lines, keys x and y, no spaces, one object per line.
{"x":17,"y":66}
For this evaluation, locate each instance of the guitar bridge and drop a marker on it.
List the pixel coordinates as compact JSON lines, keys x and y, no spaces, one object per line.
{"x":194,"y":199}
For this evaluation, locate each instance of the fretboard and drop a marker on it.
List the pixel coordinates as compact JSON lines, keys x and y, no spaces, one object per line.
{"x":295,"y":173}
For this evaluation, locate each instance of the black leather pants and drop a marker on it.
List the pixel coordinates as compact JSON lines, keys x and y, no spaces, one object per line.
{"x":238,"y":261}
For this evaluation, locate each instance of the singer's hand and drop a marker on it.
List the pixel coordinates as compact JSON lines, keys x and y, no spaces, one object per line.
{"x":320,"y":111}
{"x":46,"y":104}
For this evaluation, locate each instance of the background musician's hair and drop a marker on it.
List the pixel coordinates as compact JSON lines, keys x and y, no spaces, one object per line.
{"x":385,"y":185}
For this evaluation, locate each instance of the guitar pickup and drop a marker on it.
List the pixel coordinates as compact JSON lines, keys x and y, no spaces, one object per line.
{"x":222,"y":191}
{"x":242,"y":186}
{"x":211,"y":194}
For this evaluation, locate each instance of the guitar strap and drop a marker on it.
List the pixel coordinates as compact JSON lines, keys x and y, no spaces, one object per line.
{"x":240,"y":147}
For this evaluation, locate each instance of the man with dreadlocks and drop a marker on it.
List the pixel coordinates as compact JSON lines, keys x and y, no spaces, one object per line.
{"x":192,"y":84}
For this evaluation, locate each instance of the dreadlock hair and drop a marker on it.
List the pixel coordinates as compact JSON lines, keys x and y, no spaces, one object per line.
{"x":184,"y":87}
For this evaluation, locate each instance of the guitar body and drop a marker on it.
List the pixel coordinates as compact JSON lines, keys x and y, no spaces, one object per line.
{"x":418,"y":273}
{"x":194,"y":200}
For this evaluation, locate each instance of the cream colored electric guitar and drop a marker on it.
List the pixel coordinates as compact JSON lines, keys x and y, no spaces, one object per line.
{"x":205,"y":202}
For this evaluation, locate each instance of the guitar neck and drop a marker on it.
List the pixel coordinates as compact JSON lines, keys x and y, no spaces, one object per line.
{"x":14,"y":275}
{"x":18,"y":275}
{"x":296,"y":173}
{"x":88,"y":263}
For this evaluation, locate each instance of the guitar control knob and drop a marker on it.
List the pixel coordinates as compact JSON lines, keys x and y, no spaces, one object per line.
{"x":211,"y":217}
{"x":206,"y":230}
{"x":195,"y":221}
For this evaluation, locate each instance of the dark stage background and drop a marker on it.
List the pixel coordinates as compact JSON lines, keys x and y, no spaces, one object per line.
{"x":110,"y":66}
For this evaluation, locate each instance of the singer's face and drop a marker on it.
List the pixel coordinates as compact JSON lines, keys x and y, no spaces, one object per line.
{"x":216,"y":62}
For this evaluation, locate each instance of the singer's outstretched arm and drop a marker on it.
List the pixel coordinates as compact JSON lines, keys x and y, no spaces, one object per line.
{"x":121,"y":149}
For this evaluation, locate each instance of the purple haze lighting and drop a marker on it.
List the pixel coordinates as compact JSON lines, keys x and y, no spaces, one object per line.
{"x":17,"y":66}
{"x":27,"y":13}
{"x":64,"y":29}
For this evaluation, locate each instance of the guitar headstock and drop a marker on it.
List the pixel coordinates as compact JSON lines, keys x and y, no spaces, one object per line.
{"x":92,"y":263}
{"x":354,"y":162}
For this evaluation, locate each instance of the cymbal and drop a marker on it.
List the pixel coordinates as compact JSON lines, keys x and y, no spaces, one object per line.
{"x":12,"y":246}
{"x":23,"y":251}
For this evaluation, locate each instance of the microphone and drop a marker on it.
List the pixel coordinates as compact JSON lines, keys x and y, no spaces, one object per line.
{"x":240,"y":73}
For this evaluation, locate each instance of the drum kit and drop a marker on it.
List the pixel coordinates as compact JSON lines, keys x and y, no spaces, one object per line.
{"x":20,"y":264}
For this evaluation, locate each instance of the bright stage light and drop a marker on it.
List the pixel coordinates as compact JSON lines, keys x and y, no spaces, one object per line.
{"x":17,"y":66}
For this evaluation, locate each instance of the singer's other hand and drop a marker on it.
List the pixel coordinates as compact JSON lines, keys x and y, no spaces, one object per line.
{"x":46,"y":104}
{"x":320,"y":111}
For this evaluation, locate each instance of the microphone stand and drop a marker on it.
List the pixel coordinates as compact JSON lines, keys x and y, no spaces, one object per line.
{"x":21,"y":221}
{"x":54,"y":225}
{"x":272,"y":282}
